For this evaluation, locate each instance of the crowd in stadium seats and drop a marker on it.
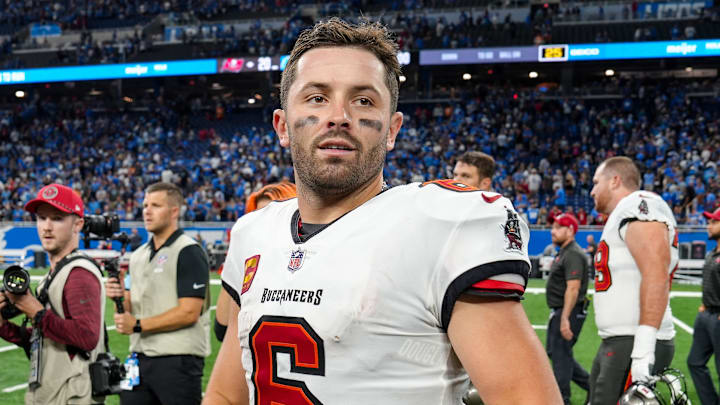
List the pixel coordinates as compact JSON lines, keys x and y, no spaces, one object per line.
{"x":546,"y":148}
{"x":83,"y":14}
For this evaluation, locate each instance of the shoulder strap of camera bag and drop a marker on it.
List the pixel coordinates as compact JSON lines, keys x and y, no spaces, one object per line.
{"x":44,"y":298}
{"x":72,"y":256}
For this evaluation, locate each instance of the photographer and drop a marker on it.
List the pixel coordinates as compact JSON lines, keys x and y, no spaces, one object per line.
{"x":167,"y":307}
{"x":67,"y":327}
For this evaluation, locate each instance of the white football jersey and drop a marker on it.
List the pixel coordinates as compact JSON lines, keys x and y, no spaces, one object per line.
{"x":357,"y":314}
{"x":617,"y":277}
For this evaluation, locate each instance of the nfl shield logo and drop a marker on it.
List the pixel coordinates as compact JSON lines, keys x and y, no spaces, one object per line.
{"x":296,"y":260}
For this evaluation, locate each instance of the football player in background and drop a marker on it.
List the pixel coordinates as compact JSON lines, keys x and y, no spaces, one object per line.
{"x":255,"y":201}
{"x":357,"y":294}
{"x":634,"y":262}
{"x":475,"y":169}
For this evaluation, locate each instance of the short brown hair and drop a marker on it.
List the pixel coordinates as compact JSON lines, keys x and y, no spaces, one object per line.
{"x":484,"y":163}
{"x":625,"y":168}
{"x":372,"y":37}
{"x":173,"y":192}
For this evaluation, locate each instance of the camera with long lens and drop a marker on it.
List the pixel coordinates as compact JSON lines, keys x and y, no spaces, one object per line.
{"x":16,"y":280}
{"x":104,"y":226}
{"x":106,"y":374}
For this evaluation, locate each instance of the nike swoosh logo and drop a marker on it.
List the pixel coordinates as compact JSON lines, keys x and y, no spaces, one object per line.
{"x":196,"y":286}
{"x":490,"y":200}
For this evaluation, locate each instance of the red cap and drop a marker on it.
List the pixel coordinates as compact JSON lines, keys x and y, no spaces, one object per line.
{"x":714,"y":215}
{"x":567,"y":220}
{"x":61,"y":197}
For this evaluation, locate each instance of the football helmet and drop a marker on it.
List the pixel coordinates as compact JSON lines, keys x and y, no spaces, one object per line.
{"x":472,"y":397}
{"x":668,"y":388}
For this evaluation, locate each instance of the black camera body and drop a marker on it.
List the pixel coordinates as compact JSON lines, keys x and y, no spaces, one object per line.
{"x":104,"y":226}
{"x":16,"y":280}
{"x":106,"y":374}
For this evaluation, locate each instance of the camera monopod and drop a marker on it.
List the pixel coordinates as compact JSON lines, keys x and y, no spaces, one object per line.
{"x":111,"y":265}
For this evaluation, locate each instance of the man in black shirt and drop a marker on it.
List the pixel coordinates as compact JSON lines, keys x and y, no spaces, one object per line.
{"x":565,"y":293}
{"x":705,"y":341}
{"x":166,"y":307}
{"x":135,"y":240}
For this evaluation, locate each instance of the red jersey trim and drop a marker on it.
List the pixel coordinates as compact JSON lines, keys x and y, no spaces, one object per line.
{"x":498,"y":285}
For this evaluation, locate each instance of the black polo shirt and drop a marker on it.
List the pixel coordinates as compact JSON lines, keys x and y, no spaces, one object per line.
{"x":571,"y":263}
{"x":711,"y":281}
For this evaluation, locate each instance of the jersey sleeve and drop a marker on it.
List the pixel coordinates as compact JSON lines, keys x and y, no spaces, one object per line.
{"x":486,"y":255}
{"x":646,"y":207}
{"x":233,"y":271}
{"x":193,"y":273}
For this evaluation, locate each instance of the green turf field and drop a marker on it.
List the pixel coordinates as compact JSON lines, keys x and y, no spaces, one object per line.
{"x":13,"y":373}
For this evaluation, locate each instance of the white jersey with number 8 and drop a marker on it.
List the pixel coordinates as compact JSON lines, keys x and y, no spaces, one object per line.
{"x":617,"y":277}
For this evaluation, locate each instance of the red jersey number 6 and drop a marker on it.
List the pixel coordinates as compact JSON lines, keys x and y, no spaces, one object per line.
{"x":295,"y":337}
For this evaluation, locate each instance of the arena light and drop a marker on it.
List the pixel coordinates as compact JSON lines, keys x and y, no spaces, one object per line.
{"x":533,"y":75}
{"x":689,"y":69}
{"x":467,"y":76}
{"x":20,"y":94}
{"x":251,"y":101}
{"x":402,"y":79}
{"x":609,"y":72}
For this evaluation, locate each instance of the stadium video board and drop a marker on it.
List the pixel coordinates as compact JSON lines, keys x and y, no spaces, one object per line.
{"x":272,"y":63}
{"x":573,"y":52}
{"x":109,"y":71}
{"x":644,"y":50}
{"x":252,"y":64}
{"x":542,"y":53}
{"x":478,"y":55}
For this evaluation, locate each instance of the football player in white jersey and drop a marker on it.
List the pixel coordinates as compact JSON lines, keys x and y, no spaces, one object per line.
{"x":353,"y":294}
{"x":634,"y":262}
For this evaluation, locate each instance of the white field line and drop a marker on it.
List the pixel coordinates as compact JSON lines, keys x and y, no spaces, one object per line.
{"x":111,"y":327}
{"x":533,"y":290}
{"x":23,"y":386}
{"x":682,"y":325}
{"x":213,"y":281}
{"x":673,"y":294}
{"x":15,"y":388}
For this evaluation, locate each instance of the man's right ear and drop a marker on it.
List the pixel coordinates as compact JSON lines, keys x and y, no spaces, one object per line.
{"x":281,"y":128}
{"x":486,"y":183}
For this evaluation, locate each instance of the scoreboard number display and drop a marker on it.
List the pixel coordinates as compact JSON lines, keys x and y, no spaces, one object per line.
{"x":553,"y":53}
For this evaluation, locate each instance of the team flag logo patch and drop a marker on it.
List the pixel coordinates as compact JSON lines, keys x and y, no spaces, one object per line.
{"x":251,"y":267}
{"x":513,"y":239}
{"x":297,"y":257}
